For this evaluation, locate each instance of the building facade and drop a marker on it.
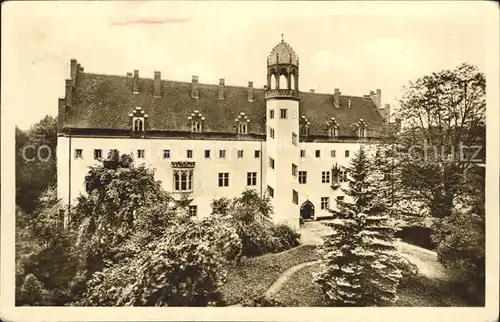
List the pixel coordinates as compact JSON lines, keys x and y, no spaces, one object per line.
{"x":211,"y":141}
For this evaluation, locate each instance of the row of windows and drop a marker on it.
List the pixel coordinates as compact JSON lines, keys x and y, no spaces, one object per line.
{"x":183,"y":179}
{"x":166,"y":154}
{"x":317,"y":153}
{"x":325,"y":176}
{"x":283,"y":113}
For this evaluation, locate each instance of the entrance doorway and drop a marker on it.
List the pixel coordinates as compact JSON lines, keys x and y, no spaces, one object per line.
{"x":307,"y":210}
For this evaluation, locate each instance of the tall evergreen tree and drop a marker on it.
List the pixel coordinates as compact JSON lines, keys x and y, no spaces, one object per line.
{"x":359,"y":257}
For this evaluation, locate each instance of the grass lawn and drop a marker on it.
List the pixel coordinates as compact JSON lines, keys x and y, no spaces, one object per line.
{"x":254,"y":275}
{"x":300,"y":291}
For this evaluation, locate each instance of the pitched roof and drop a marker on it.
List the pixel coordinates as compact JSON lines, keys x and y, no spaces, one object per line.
{"x":105,"y":102}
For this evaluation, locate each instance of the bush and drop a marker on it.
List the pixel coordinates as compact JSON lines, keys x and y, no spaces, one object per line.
{"x":409,"y":271}
{"x":416,"y":235}
{"x":262,"y":301}
{"x":286,"y":237}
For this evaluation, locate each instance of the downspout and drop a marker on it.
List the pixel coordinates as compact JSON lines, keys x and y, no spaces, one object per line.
{"x":69,"y":178}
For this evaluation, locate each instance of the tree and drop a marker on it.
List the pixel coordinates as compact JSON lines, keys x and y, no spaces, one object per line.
{"x":442,"y":112}
{"x":184,"y":267}
{"x":360,"y":264}
{"x":34,"y":173}
{"x":120,"y":202}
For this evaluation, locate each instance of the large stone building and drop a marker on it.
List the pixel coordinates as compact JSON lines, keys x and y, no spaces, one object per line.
{"x":211,"y":141}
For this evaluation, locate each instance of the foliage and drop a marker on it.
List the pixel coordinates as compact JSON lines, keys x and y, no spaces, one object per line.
{"x":185,"y":267}
{"x":251,"y":214}
{"x":262,"y":301}
{"x":359,"y":257}
{"x":34,"y":175}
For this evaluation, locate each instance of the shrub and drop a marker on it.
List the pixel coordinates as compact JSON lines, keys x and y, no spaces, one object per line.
{"x":286,"y":237}
{"x":409,"y":271}
{"x":262,"y":301}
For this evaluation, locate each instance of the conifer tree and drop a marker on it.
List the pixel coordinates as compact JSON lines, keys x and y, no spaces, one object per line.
{"x":359,"y":258}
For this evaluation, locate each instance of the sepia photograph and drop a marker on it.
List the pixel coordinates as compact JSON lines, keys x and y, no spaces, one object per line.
{"x":309,"y":157}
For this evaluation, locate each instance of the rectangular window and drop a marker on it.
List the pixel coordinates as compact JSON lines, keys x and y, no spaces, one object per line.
{"x":140,"y":154}
{"x":271,"y":114}
{"x":283,"y":113}
{"x":166,"y":154}
{"x":97,"y":154}
{"x":193,"y":211}
{"x":340,"y":198}
{"x":346,"y":153}
{"x":294,"y":139}
{"x":343,"y":176}
{"x":332,"y":153}
{"x":207,"y":154}
{"x":270,"y":191}
{"x":251,"y":178}
{"x":257,"y":153}
{"x":325,"y":177}
{"x":295,"y":197}
{"x":271,"y":132}
{"x":303,"y":177}
{"x":224,"y":179}
{"x":271,"y":163}
{"x":318,"y":153}
{"x":325,"y":202}
{"x":78,"y":154}
{"x":189,"y":154}
{"x":294,"y":170}
{"x":302,"y":153}
{"x":240,"y":154}
{"x":222,"y":154}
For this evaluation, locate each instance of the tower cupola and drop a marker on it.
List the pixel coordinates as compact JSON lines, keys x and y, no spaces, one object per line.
{"x":282,"y":72}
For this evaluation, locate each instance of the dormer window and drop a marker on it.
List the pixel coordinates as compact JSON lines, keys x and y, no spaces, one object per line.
{"x":138,"y":120}
{"x":196,"y":120}
{"x":362,"y":129}
{"x":242,"y":123}
{"x":333,"y":128}
{"x":303,"y":127}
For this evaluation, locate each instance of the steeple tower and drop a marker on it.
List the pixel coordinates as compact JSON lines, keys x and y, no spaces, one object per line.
{"x":282,"y":72}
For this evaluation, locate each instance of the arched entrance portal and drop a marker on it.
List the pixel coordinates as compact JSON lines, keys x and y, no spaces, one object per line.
{"x":307,"y":210}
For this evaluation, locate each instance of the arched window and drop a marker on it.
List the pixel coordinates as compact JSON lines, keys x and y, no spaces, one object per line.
{"x":292,"y":80}
{"x":333,"y":131}
{"x":283,"y":82}
{"x":303,"y":130}
{"x":138,"y":124}
{"x":273,"y":81}
{"x":183,"y":180}
{"x":196,"y":126}
{"x":242,"y":128}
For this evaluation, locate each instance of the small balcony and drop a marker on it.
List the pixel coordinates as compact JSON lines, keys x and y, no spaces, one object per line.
{"x":282,"y":93}
{"x":335,"y":185}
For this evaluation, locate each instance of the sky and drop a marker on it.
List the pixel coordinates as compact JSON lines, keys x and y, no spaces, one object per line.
{"x":353,"y":46}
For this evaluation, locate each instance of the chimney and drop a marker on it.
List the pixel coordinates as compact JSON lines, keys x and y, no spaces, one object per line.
{"x":136,"y":81}
{"x":194,"y":87}
{"x":387,"y":112}
{"x":376,"y":98}
{"x":69,"y":92}
{"x":311,"y":90}
{"x":129,"y":75}
{"x":61,"y":113}
{"x":336,"y":98}
{"x":73,"y":71}
{"x":221,"y":88}
{"x":157,"y":85}
{"x":250,"y":91}
{"x":79,"y":68}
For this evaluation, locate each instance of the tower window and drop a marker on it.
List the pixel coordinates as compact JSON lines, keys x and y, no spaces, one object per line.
{"x":283,"y":113}
{"x":303,"y":177}
{"x":166,"y":154}
{"x":257,"y":153}
{"x":223,"y":179}
{"x":271,"y":114}
{"x":325,"y":202}
{"x":302,"y":153}
{"x":97,"y":154}
{"x":318,"y":153}
{"x":295,"y":197}
{"x":294,"y":170}
{"x":271,"y":132}
{"x":207,"y":154}
{"x":140,"y":154}
{"x":240,"y":154}
{"x":271,"y":163}
{"x":189,"y":154}
{"x":294,"y":139}
{"x":222,"y":154}
{"x":270,"y":191}
{"x":251,"y":178}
